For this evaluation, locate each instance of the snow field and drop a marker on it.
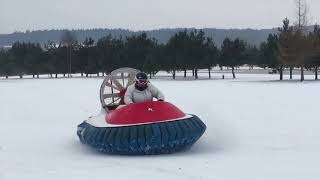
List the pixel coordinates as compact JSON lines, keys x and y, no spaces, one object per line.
{"x":257,"y":128}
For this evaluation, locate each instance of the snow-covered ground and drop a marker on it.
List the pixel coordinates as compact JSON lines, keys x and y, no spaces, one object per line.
{"x":257,"y":129}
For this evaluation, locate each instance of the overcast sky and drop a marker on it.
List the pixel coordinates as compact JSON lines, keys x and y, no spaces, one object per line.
{"x":22,"y":15}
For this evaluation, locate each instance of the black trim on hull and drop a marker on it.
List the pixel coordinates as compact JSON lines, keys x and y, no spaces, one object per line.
{"x":147,"y":139}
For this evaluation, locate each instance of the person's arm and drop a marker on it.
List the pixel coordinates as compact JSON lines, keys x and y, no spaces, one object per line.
{"x":156,"y":92}
{"x":128,"y":96}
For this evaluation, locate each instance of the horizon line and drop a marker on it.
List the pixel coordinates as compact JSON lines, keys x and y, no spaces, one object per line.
{"x":130,"y":29}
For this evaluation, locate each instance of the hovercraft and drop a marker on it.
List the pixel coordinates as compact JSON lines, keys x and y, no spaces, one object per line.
{"x":140,"y":128}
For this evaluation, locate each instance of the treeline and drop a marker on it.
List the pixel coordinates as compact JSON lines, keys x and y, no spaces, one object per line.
{"x":252,"y":36}
{"x":185,"y":50}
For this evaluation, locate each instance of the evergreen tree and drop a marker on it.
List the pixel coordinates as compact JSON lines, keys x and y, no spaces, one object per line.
{"x":137,"y":49}
{"x":285,"y":35}
{"x":270,"y":53}
{"x":251,"y":56}
{"x":6,"y":64}
{"x":211,"y":55}
{"x":177,"y":53}
{"x":313,"y":62}
{"x":88,"y":63}
{"x":232,"y":53}
{"x":196,"y":50}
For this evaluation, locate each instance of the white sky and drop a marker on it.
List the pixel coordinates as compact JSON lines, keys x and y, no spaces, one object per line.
{"x":21,"y":15}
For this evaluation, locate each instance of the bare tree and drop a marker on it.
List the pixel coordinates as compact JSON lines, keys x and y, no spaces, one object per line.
{"x":302,"y":19}
{"x":301,"y":13}
{"x":68,"y":39}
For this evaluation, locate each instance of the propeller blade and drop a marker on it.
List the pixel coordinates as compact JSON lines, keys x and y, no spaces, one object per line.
{"x":117,"y":83}
{"x":122,"y":77}
{"x":114,"y":95}
{"x":112,"y":86}
{"x":115,"y":100}
{"x":131,"y":78}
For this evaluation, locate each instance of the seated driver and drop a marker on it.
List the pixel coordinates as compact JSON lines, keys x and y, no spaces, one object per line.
{"x":142,"y":90}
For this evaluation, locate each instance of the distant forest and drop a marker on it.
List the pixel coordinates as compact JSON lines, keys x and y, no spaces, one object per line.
{"x":251,"y":36}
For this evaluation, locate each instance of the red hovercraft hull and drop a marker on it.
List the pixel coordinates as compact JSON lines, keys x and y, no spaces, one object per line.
{"x":143,"y":128}
{"x":144,"y":113}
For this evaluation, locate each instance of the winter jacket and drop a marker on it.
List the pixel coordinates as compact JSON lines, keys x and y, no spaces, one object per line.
{"x":134,"y":95}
